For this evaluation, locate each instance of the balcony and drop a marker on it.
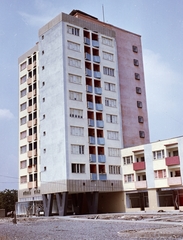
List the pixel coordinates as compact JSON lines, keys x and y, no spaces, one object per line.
{"x":29,"y":124}
{"x":95,"y":43}
{"x":35,"y":152}
{"x":34,"y":78}
{"x":34,"y":107}
{"x":29,"y":67}
{"x":139,"y":166}
{"x":92,"y":158}
{"x":34,"y":92}
{"x":32,"y":168}
{"x":93,"y":176}
{"x":29,"y":80}
{"x":101,"y":158}
{"x":29,"y":154}
{"x":29,"y":95}
{"x":102,"y":176}
{"x":86,"y":40}
{"x":29,"y":169}
{"x":97,"y":74}
{"x":99,"y":106}
{"x":91,"y":140}
{"x":98,"y":90}
{"x":87,"y":56}
{"x":90,"y":105}
{"x":35,"y":121}
{"x":35,"y":136}
{"x":100,"y":123}
{"x":100,"y":141}
{"x":29,"y":138}
{"x":34,"y":64}
{"x":140,"y":184}
{"x":89,"y":88}
{"x":32,"y":184}
{"x":170,"y":161}
{"x":29,"y":109}
{"x":88,"y":72}
{"x":96,"y":59}
{"x":91,"y":122}
{"x":174,"y":181}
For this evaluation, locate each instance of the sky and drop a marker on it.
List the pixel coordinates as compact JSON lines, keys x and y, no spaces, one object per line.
{"x":160,"y":24}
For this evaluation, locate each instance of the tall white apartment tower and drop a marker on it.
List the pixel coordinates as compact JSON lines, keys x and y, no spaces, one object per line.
{"x":71,"y":115}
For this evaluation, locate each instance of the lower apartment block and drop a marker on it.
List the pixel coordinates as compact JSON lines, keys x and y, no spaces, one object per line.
{"x":153,"y":176}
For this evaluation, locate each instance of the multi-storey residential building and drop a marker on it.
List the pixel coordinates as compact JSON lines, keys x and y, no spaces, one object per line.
{"x":82,"y":98}
{"x":153,"y":176}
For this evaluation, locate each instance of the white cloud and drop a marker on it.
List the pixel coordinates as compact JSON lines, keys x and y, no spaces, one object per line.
{"x":6,"y":114}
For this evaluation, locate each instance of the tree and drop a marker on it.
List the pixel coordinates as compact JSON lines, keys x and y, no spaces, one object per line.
{"x":8,"y":198}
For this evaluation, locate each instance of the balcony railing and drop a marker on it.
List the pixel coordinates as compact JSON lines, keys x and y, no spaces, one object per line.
{"x":97,"y":74}
{"x":102,"y":176}
{"x":29,"y":95}
{"x":88,"y":72}
{"x":91,"y":140}
{"x":87,"y":56}
{"x":90,"y":105}
{"x":96,"y":59}
{"x":29,"y":67}
{"x":140,"y":184}
{"x":93,"y":176}
{"x":172,"y":181}
{"x":101,"y":141}
{"x":86,"y":40}
{"x":172,"y":160}
{"x":99,"y":106}
{"x":98,"y":90}
{"x":101,"y":158}
{"x":29,"y":124}
{"x":138,"y":166}
{"x":100,"y":123}
{"x":29,"y":138}
{"x":95,"y":43}
{"x":29,"y":80}
{"x":89,"y":88}
{"x":32,"y":184}
{"x":91,"y":122}
{"x":92,"y":158}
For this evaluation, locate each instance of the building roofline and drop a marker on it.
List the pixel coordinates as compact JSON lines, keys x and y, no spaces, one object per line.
{"x":74,"y":12}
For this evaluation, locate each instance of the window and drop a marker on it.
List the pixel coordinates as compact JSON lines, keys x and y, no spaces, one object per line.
{"x":139,"y":104}
{"x":43,"y":84}
{"x":114,"y":169}
{"x":110,"y":102}
{"x":23,"y":179}
{"x":23,"y":120}
{"x":42,"y":37}
{"x":23,"y":149}
{"x":137,"y":76}
{"x":78,"y":168}
{"x":160,"y":173}
{"x":74,"y":79}
{"x":141,"y":134}
{"x":23,"y":79}
{"x":23,"y":106}
{"x":108,"y":56}
{"x":135,"y":49}
{"x":158,"y":154}
{"x":42,"y":67}
{"x":140,"y":119}
{"x":112,"y":135}
{"x":127,"y":160}
{"x":73,"y":30}
{"x":43,"y":99}
{"x":23,"y":92}
{"x":113,"y":152}
{"x":44,"y":133}
{"x":23,"y":164}
{"x":107,"y":41}
{"x":138,"y":90}
{"x":76,"y":113}
{"x":44,"y":150}
{"x":23,"y":66}
{"x":43,"y":52}
{"x":77,"y":149}
{"x":110,"y":86}
{"x":111,"y":118}
{"x":23,"y":134}
{"x":75,"y":96}
{"x":135,"y":62}
{"x":73,"y":46}
{"x":77,"y":131}
{"x":44,"y":116}
{"x":108,"y":71}
{"x":74,"y":62}
{"x":129,"y":178}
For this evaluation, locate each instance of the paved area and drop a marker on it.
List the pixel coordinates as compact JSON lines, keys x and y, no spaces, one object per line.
{"x":99,"y":227}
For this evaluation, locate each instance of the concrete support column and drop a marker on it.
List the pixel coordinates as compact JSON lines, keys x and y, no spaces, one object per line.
{"x":153,"y":199}
{"x":77,"y":201}
{"x":47,"y":203}
{"x":62,"y":203}
{"x":92,"y":201}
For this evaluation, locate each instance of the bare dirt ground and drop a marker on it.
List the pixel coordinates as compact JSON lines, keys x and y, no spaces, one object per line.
{"x":91,"y":227}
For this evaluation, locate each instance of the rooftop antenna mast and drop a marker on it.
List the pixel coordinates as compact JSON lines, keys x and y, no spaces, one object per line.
{"x":103,"y":13}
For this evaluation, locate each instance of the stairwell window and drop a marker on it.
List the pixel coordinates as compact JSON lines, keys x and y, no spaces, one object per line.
{"x":74,"y":62}
{"x":73,"y":30}
{"x":108,"y":71}
{"x":77,"y":149}
{"x":78,"y":168}
{"x":77,"y":96}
